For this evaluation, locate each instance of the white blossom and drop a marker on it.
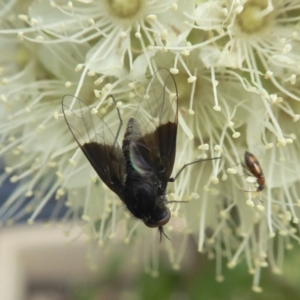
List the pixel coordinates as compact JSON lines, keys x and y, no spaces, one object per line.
{"x":236,"y":66}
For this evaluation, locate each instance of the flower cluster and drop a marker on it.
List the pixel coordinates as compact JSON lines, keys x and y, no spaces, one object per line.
{"x":236,"y":65}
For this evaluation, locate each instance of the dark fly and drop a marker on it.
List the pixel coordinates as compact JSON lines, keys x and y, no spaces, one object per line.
{"x":139,"y":170}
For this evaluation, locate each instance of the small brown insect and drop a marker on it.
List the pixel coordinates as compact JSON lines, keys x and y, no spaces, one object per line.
{"x":255,"y":169}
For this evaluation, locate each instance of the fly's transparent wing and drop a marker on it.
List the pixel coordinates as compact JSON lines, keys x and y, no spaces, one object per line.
{"x":153,"y":144}
{"x":159,"y":105}
{"x":97,"y":141}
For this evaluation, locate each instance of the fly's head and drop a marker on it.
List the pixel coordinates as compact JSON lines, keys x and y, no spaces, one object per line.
{"x":160,"y":215}
{"x":147,"y":202}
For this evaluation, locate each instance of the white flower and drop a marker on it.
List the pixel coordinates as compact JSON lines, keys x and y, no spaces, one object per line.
{"x":263,"y":44}
{"x":115,"y":30}
{"x":236,"y":65}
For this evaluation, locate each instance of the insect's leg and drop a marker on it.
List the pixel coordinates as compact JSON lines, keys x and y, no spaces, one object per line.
{"x":121,"y":121}
{"x":246,"y":173}
{"x":244,"y":168}
{"x":172,"y":179}
{"x":240,"y":163}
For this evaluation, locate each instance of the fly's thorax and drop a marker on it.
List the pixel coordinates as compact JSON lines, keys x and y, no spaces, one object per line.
{"x":132,"y":133}
{"x":144,"y":199}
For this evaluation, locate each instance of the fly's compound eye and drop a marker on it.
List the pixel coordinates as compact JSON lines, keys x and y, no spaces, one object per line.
{"x":153,"y":223}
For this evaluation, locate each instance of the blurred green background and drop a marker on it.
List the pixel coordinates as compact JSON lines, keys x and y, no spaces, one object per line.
{"x":196,"y":280}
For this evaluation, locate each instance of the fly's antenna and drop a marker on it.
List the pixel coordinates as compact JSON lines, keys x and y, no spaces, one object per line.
{"x":161,"y":232}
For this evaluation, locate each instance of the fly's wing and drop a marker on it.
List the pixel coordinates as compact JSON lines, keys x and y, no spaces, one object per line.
{"x":96,"y":140}
{"x":153,"y":144}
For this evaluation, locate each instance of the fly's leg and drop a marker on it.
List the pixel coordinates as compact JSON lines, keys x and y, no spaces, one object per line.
{"x":172,"y":179}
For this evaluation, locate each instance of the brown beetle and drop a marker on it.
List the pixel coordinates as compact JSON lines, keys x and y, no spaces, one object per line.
{"x":255,"y":169}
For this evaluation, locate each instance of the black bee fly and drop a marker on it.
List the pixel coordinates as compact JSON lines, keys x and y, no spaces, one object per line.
{"x":139,"y":171}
